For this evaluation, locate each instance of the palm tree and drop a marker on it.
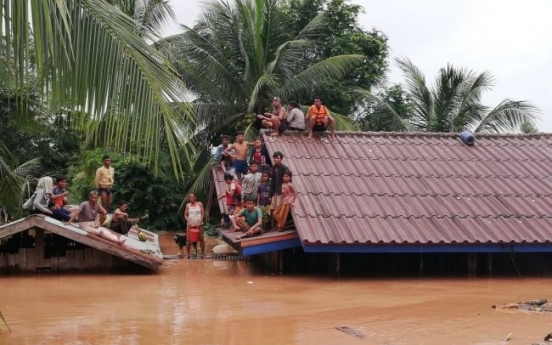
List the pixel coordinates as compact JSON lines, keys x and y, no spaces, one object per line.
{"x":14,"y":178}
{"x":93,"y":60}
{"x":454,"y":104}
{"x":238,"y":56}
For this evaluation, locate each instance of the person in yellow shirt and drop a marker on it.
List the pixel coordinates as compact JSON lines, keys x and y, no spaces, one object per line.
{"x":105,"y":177}
{"x":319,"y":118}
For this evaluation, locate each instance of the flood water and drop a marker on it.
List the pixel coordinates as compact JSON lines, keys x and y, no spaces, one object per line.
{"x":218,"y":302}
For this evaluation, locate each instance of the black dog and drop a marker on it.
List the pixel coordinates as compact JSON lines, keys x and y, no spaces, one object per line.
{"x":181,"y":240}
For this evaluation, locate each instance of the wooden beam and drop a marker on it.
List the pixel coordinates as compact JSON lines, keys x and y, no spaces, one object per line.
{"x":17,"y":226}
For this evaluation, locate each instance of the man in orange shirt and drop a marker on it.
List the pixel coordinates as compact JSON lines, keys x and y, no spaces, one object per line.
{"x":320,"y":119}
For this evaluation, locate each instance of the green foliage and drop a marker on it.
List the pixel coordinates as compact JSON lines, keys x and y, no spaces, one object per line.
{"x":210,"y":230}
{"x":241,"y":53}
{"x":453,"y":104}
{"x":160,"y":194}
{"x":387,"y":111}
{"x":340,"y":35}
{"x":92,"y":59}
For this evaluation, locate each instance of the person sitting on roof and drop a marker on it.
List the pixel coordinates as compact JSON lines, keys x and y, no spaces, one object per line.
{"x":250,"y":220}
{"x":319,"y":119}
{"x":296,"y":117}
{"x":42,"y":203}
{"x":277,"y":119}
{"x":58,"y":199}
{"x":88,"y":215}
{"x":225,"y":160}
{"x":120,"y":222}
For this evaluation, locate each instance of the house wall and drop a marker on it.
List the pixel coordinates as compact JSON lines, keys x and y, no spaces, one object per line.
{"x":296,"y":261}
{"x":35,"y":250}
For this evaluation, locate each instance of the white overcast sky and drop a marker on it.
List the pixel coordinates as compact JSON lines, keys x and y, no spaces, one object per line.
{"x":510,"y":38}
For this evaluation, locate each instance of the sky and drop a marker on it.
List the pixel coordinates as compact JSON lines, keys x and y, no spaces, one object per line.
{"x":509,"y":38}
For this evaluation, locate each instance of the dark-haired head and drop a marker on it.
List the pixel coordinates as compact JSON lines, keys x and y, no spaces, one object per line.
{"x":278,"y":154}
{"x":105,"y":157}
{"x":228,"y":176}
{"x":293,"y":104}
{"x":288,"y":173}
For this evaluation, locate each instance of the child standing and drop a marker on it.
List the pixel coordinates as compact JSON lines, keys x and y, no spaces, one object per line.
{"x":287,"y":201}
{"x":263,"y":198}
{"x":233,"y":189}
{"x":251,"y":182}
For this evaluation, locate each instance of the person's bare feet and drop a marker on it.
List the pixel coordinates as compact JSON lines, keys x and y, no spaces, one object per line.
{"x":333,"y":137}
{"x":309,"y":136}
{"x":275,"y":134}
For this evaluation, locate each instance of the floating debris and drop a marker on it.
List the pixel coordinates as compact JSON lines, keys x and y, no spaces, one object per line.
{"x":351,"y":331}
{"x":537,"y":305}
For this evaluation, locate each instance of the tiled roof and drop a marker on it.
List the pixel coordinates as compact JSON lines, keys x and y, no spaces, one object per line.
{"x":420,"y":188}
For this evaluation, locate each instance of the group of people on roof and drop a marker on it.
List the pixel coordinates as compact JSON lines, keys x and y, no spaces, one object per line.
{"x":50,"y":198}
{"x":259,"y":193}
{"x":318,"y":118}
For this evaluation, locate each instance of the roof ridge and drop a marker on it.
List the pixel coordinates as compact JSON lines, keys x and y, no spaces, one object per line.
{"x":423,"y":195}
{"x":430,"y":134}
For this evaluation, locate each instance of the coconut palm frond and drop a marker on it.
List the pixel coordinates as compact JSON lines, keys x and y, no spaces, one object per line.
{"x":92,"y":61}
{"x":508,"y":116}
{"x":344,"y":123}
{"x":301,"y":86}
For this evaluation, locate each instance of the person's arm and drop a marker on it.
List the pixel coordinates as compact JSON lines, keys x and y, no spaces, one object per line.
{"x":227,"y":150}
{"x":294,"y":193}
{"x":101,"y":210}
{"x":232,"y":189}
{"x":282,"y":114}
{"x":259,"y":220}
{"x":74,"y":215}
{"x":119,"y":212}
{"x":186,"y":212}
{"x":36,"y":202}
{"x":291,"y":115}
{"x":233,"y":220}
{"x":98,"y":177}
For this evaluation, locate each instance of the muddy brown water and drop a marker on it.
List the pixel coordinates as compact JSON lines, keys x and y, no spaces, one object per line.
{"x":217,"y":302}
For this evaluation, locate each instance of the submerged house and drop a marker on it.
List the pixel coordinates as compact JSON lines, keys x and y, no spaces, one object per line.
{"x":415,"y":194}
{"x":39,"y":243}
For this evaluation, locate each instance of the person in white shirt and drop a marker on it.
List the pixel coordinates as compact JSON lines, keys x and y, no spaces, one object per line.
{"x":296,"y":117}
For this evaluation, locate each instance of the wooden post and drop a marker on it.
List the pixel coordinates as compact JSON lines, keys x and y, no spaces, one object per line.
{"x":472,"y":264}
{"x":490,"y":263}
{"x":280,"y":262}
{"x":338,"y":264}
{"x":39,"y":248}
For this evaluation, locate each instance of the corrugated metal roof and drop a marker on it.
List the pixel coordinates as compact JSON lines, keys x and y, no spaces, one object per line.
{"x":420,"y":188}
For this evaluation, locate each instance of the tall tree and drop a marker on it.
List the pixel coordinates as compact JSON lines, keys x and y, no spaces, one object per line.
{"x":93,"y":60}
{"x":341,"y":33}
{"x":454,"y":103}
{"x":239,"y":55}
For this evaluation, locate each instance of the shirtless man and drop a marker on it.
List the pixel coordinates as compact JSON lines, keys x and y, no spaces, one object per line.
{"x":319,"y":118}
{"x":277,"y":120}
{"x":240,"y":154}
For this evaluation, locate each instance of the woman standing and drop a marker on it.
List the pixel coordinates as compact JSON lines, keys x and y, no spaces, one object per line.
{"x":194,"y":215}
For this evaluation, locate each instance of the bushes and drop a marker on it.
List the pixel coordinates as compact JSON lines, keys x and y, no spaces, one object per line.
{"x":160,"y":195}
